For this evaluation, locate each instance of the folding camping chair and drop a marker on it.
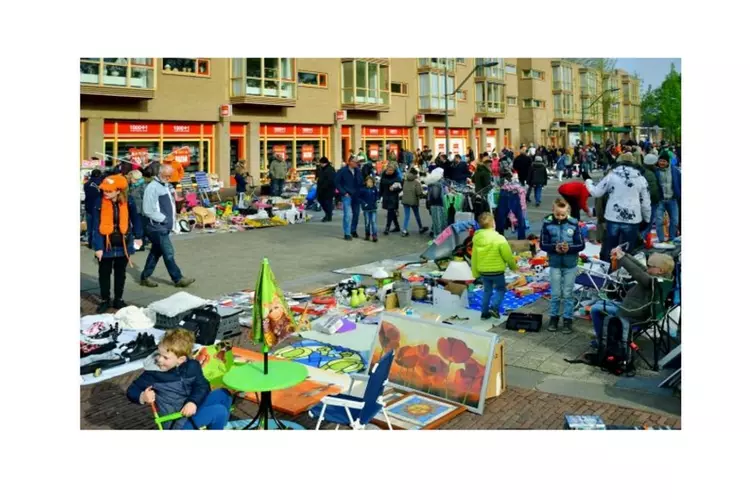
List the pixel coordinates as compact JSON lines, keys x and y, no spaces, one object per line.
{"x":355,"y":412}
{"x":656,"y":327}
{"x":596,"y":282}
{"x":204,"y":188}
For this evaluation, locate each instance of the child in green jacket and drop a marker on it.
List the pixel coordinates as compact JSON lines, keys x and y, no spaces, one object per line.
{"x":490,"y":256}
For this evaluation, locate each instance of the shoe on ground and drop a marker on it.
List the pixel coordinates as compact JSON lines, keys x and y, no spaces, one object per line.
{"x":404,"y":233}
{"x":119,"y":304}
{"x":354,"y":234}
{"x":494,"y":314}
{"x":537,"y":204}
{"x":184,"y":282}
{"x":374,"y":239}
{"x":367,"y":237}
{"x":485,"y":317}
{"x":567,"y":328}
{"x":386,"y":232}
{"x":103,"y":307}
{"x":147,"y":282}
{"x":348,"y":238}
{"x":554,"y":321}
{"x":423,"y":230}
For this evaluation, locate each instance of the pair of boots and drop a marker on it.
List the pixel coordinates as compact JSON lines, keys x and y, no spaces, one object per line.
{"x":106,"y":304}
{"x":397,"y":229}
{"x":326,"y":219}
{"x":374,"y":237}
{"x":554,"y":321}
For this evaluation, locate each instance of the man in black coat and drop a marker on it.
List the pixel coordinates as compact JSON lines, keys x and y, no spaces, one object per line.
{"x":522,"y":165}
{"x":326,"y":188}
{"x":460,"y":170}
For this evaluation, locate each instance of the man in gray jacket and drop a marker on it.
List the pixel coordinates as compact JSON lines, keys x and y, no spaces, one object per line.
{"x":277,"y":171}
{"x":160,"y":212}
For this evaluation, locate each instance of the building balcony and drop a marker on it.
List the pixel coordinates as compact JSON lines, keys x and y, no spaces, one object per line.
{"x":561,"y":88}
{"x":563,"y":115}
{"x":365,"y":100}
{"x":134,"y":93}
{"x":490,"y":109}
{"x":269,"y":93}
{"x":436,"y":111}
{"x":426,"y":64}
{"x":263,"y":101}
{"x":117,"y":80}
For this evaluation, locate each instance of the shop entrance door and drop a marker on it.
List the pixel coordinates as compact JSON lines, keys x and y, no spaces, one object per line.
{"x":346,"y":145}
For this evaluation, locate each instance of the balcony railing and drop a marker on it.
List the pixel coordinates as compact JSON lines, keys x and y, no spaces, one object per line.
{"x":365,"y":99}
{"x":428,"y":63}
{"x":564,"y":114}
{"x":491,"y":109}
{"x":121,"y":77}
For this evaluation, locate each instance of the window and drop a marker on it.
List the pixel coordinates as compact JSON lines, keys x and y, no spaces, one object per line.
{"x":563,"y":105}
{"x":512,"y":100}
{"x":268,"y":77}
{"x":312,"y":79}
{"x":399,"y":88}
{"x":490,"y":72}
{"x":136,"y":72}
{"x":510,"y":69}
{"x":534,"y":103}
{"x":432,"y":91}
{"x":192,"y":67}
{"x":462,"y":96}
{"x":365,"y":82}
{"x":562,"y":78}
{"x":591,"y":111}
{"x":461,"y":60}
{"x":533,"y":74}
{"x":437,"y":63}
{"x":490,"y":97}
{"x":589,"y":83}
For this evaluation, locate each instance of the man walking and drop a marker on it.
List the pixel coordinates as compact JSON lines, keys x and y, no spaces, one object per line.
{"x":277,"y":171}
{"x":92,"y":194}
{"x":522,"y":165}
{"x":348,"y":182}
{"x":669,"y":180}
{"x":159,"y":209}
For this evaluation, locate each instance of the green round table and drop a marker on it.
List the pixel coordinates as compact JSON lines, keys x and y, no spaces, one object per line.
{"x":249,"y":377}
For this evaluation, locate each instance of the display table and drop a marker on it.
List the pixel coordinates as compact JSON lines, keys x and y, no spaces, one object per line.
{"x":249,"y":377}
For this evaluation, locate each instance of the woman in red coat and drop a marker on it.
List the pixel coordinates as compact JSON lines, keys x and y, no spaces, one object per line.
{"x":576,"y":194}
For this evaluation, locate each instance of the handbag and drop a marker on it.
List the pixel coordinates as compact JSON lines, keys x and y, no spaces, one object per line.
{"x":204,"y":322}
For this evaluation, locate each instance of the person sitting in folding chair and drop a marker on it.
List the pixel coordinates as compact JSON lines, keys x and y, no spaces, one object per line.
{"x":638,"y":304}
{"x":172,"y":382}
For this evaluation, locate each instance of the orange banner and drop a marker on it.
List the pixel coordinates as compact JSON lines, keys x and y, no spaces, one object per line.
{"x":374,"y":151}
{"x":308,"y":152}
{"x":139,"y":155}
{"x":280,"y":150}
{"x":181,"y":155}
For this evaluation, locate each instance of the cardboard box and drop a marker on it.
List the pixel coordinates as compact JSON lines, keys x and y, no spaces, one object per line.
{"x":445,"y":299}
{"x":497,"y":383}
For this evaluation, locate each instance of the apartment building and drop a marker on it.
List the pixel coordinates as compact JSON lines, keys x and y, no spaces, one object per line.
{"x":209,"y":113}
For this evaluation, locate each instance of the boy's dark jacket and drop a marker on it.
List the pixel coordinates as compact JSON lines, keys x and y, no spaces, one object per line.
{"x":554,"y":232}
{"x":174,"y":388}
{"x":368,"y":198}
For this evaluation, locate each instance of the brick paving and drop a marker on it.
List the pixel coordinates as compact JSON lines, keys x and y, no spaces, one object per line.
{"x":104,"y":406}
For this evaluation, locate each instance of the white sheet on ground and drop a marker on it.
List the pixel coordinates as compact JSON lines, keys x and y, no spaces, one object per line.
{"x":369,"y":269}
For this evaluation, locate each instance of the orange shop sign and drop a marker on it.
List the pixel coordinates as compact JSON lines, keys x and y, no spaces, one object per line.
{"x":340,"y":115}
{"x":280,"y":150}
{"x":308,"y":152}
{"x":138,"y":128}
{"x":374,"y":151}
{"x":181,"y":154}
{"x":139,"y":155}
{"x":225,"y":110}
{"x":393,"y":147}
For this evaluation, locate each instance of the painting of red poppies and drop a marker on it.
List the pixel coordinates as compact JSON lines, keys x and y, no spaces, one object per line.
{"x":442,"y":360}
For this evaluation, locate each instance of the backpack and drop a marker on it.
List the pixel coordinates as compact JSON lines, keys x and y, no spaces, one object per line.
{"x":204,"y":322}
{"x":613,"y":355}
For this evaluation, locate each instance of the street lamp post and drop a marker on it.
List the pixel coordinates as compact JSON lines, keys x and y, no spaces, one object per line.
{"x":455,"y":91}
{"x":583,"y":109}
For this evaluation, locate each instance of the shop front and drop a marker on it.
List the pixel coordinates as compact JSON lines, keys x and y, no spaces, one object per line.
{"x":380,"y":142}
{"x":139,"y":141}
{"x":459,"y":140}
{"x":491,"y":144}
{"x":299,"y":145}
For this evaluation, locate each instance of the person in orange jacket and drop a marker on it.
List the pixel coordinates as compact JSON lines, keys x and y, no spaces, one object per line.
{"x":178,"y":171}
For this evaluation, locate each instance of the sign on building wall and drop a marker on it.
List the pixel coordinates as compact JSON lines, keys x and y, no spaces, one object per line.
{"x":280,"y":149}
{"x":308,"y":152}
{"x":374,"y":151}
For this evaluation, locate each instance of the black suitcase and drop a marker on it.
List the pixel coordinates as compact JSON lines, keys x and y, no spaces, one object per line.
{"x":204,"y":322}
{"x":523,"y":321}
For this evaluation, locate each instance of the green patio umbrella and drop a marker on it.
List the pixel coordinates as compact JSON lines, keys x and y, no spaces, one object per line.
{"x":272,"y":319}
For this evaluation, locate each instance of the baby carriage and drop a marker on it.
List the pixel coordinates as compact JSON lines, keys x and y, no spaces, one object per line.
{"x":311,"y":203}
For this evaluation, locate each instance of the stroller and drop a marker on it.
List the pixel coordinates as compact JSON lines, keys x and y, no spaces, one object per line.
{"x":311,"y":202}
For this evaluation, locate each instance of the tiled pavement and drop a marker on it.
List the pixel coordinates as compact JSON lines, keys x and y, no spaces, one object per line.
{"x":104,"y":406}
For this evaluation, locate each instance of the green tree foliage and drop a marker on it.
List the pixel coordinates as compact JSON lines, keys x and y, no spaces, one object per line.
{"x":663,"y":106}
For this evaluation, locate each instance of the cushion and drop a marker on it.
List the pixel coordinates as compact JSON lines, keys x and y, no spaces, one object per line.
{"x":176,"y":304}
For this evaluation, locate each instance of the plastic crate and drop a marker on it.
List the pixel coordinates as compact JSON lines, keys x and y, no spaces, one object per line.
{"x":164,"y":322}
{"x":230,"y":322}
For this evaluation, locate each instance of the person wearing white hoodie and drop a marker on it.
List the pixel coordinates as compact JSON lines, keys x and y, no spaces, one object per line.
{"x":628,"y":204}
{"x":434,"y":182}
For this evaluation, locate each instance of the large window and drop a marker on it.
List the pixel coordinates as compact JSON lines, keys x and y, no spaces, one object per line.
{"x":589,"y":83}
{"x":438,"y":63}
{"x":123,"y":72}
{"x":534,"y":103}
{"x":267,"y":77}
{"x":563,"y":105}
{"x":490,"y":97}
{"x":562,"y":78}
{"x":590,"y":111}
{"x":533,"y":74}
{"x":193,"y":67}
{"x":614,"y":113}
{"x":432,"y":91}
{"x":492,"y":71}
{"x":312,"y":79}
{"x":365,"y":82}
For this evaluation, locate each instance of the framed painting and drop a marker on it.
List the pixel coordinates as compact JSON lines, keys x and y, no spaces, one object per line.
{"x":440,"y":360}
{"x":414,"y":411}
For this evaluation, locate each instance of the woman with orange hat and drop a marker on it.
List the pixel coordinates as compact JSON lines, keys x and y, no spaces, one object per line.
{"x":178,"y":171}
{"x":117,"y":234}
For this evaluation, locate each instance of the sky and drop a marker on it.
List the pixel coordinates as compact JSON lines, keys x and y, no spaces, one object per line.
{"x":652,"y":71}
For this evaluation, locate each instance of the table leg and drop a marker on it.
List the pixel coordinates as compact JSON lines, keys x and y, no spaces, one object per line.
{"x":273,"y":415}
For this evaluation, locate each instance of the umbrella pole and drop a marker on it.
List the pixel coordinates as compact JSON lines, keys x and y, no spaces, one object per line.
{"x":265,"y":360}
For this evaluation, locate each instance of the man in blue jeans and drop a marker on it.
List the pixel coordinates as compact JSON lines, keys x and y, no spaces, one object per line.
{"x":348,"y":183}
{"x":669,"y":178}
{"x":159,"y":209}
{"x":92,"y":194}
{"x":561,"y":239}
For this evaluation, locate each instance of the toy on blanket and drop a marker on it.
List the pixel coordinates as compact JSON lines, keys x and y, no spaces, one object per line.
{"x":540,"y":286}
{"x":518,"y":282}
{"x":523,"y":291}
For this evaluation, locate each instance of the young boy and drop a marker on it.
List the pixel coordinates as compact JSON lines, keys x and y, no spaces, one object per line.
{"x":562,"y":240}
{"x":490,"y":257}
{"x":368,"y":198}
{"x":176,"y":384}
{"x":649,"y":289}
{"x":240,"y":177}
